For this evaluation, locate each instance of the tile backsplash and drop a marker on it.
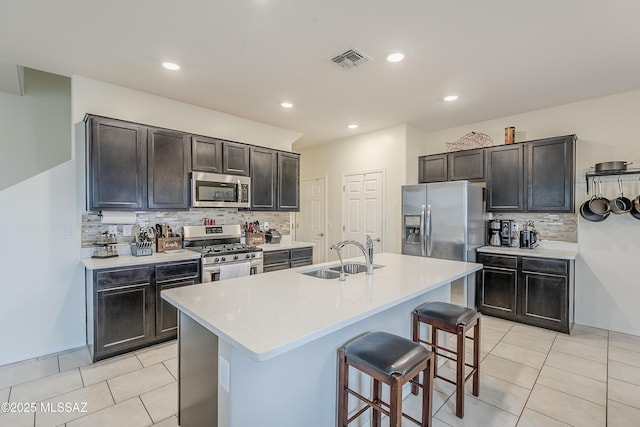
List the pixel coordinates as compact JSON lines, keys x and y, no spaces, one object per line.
{"x":92,"y":226}
{"x":558,"y":227}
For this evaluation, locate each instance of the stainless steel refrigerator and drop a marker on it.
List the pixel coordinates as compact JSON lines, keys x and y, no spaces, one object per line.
{"x":445,"y":220}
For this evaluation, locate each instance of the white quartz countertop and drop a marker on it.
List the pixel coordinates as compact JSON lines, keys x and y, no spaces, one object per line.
{"x":268,"y":314}
{"x":128,"y":260}
{"x":546,"y":249}
{"x":268,"y":247}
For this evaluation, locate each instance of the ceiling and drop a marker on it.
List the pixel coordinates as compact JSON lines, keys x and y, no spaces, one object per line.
{"x":244,"y":57}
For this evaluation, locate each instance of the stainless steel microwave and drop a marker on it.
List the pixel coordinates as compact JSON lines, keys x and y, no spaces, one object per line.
{"x":211,"y":190}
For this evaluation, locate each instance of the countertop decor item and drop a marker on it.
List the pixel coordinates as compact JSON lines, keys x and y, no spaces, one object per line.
{"x":509,"y":135}
{"x":469,"y":141}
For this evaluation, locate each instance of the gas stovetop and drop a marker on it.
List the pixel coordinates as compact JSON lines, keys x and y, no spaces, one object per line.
{"x":225,"y":249}
{"x":219,"y":244}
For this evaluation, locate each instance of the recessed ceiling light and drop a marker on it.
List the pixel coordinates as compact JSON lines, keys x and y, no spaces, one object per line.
{"x":395,"y":57}
{"x":286,"y":104}
{"x":450,"y":98}
{"x":171,"y":66}
{"x":353,"y":126}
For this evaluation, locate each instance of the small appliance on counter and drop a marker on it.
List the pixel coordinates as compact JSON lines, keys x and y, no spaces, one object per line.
{"x":493,"y":237}
{"x":528,"y":236}
{"x":272,"y":236}
{"x":508,"y":233}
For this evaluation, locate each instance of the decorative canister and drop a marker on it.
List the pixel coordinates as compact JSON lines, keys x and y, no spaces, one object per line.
{"x":509,"y":135}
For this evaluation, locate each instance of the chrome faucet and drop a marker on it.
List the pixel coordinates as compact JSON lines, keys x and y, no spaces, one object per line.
{"x":367,"y":250}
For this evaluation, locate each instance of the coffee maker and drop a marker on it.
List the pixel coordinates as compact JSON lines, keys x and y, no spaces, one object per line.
{"x":508,"y":233}
{"x":493,"y":235}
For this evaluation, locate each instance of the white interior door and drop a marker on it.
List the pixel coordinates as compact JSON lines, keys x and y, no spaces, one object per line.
{"x":311,"y":220}
{"x":362,"y":211}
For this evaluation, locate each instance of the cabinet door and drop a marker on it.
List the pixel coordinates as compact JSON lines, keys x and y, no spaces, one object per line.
{"x":169,"y":158}
{"x":264,"y":170}
{"x":498,"y":292}
{"x":468,"y":164}
{"x":117,"y":153}
{"x":432,"y":168}
{"x":206,"y":154}
{"x":544,"y":300}
{"x":505,"y":178}
{"x":124,"y":319}
{"x":288,"y":188}
{"x":550,"y":174}
{"x":235,"y":158}
{"x":166,"y":313}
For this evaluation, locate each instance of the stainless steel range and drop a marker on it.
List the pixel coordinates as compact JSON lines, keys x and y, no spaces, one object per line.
{"x":222,"y":253}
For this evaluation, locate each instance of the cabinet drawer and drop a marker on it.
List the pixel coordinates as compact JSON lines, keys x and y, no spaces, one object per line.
{"x":175,"y":270}
{"x":274,"y":257}
{"x":498,"y":261}
{"x":545,"y":265}
{"x":301,"y":253}
{"x":113,"y":278}
{"x":275,"y":267}
{"x":301,"y":262}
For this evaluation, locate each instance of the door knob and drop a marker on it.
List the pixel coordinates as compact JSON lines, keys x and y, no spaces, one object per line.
{"x":377,"y":240}
{"x":321,"y":234}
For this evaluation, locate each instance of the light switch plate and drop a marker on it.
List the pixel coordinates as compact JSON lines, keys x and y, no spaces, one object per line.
{"x":223,"y":373}
{"x":126,"y":230}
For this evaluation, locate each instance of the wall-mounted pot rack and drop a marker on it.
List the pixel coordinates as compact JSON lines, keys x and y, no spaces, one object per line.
{"x":589,"y":175}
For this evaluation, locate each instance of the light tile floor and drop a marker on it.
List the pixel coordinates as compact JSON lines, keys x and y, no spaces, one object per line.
{"x":529,"y":377}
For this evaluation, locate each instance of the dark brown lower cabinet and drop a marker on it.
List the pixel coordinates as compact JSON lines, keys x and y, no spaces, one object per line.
{"x":283,"y":259}
{"x":125,"y":310}
{"x":532,"y":290}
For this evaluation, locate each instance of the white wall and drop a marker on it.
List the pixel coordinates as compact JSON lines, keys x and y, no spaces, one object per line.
{"x":41,"y":276}
{"x":607,"y":280}
{"x":384,"y":149}
{"x":104,"y":99}
{"x":41,"y":296}
{"x":35,"y":127}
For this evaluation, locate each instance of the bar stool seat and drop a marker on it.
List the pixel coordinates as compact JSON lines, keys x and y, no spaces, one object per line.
{"x":391,"y":360}
{"x":457,"y":320}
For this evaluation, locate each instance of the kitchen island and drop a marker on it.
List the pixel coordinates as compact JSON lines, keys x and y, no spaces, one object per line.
{"x":261,"y":350}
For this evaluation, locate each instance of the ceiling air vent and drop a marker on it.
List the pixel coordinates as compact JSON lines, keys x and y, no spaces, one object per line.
{"x":350,"y":59}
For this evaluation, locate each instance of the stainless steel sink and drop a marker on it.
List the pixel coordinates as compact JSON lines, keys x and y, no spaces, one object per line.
{"x":333,"y":271}
{"x":322,"y":273}
{"x":352,"y":268}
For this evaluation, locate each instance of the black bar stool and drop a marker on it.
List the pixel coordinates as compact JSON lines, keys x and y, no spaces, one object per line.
{"x":391,"y":360}
{"x":457,"y":320}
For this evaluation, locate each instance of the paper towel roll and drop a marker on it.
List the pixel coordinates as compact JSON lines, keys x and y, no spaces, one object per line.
{"x":118,"y":217}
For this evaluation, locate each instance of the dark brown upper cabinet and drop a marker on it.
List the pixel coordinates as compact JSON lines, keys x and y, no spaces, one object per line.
{"x":533,"y":176}
{"x":550,"y":166}
{"x":455,"y":166}
{"x":466,"y":164}
{"x":432,"y":168}
{"x":235,"y":158}
{"x":136,"y":167}
{"x":275,"y":180}
{"x":117,"y":160}
{"x":264,"y":178}
{"x":168,"y":168}
{"x":505,"y":178}
{"x":288,"y":181}
{"x":206,"y":154}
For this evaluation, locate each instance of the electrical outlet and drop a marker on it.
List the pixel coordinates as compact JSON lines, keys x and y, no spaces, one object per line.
{"x":126,"y":230}
{"x":266,"y":225}
{"x":66,"y":233}
{"x":113,"y":229}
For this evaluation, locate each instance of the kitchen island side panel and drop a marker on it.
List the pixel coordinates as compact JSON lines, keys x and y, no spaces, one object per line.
{"x":298,"y":388}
